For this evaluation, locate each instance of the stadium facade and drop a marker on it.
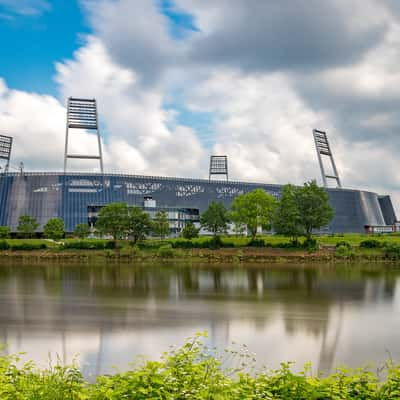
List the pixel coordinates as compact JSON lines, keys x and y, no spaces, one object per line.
{"x":77,"y":197}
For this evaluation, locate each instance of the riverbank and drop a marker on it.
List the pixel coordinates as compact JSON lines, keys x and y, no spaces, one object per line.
{"x":225,"y":255}
{"x":267,"y":249}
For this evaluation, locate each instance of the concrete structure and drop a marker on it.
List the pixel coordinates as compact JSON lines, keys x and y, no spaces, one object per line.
{"x":73,"y":196}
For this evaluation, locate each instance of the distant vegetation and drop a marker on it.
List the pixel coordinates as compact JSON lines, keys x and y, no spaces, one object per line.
{"x":196,"y":372}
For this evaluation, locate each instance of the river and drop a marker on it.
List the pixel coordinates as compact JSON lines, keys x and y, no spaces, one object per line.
{"x":104,"y":316}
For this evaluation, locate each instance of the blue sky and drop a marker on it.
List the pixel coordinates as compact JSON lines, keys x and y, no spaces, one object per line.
{"x":31,"y":43}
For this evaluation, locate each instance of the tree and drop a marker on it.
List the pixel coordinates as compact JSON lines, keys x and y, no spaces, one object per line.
{"x":4,"y":232}
{"x":253,"y":209}
{"x":215,"y":219}
{"x":27,"y":226}
{"x":190,"y":231}
{"x":54,"y":229}
{"x":82,"y":231}
{"x":113,"y":219}
{"x":287,"y":219}
{"x":161,"y":224}
{"x":139,"y":224}
{"x":314,"y":208}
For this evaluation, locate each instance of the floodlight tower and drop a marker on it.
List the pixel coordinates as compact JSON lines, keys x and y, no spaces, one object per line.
{"x":5,"y":150}
{"x":218,"y":166}
{"x":82,"y":114}
{"x":323,"y":149}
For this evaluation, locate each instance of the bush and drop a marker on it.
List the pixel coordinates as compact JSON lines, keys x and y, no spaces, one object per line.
{"x":90,"y":245}
{"x":28,"y":246}
{"x":256,"y":243}
{"x":4,"y":232}
{"x":311,"y":245}
{"x":133,"y":251}
{"x":392,"y":251}
{"x":4,"y":245}
{"x":370,"y":244}
{"x":165,"y":251}
{"x":344,"y":251}
{"x":190,"y":231}
{"x":343,"y":243}
{"x":182,"y":244}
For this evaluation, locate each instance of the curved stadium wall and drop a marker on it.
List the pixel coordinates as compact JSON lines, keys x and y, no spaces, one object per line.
{"x":70,"y":196}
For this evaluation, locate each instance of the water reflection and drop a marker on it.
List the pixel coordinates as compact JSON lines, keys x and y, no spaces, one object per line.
{"x":110,"y":313}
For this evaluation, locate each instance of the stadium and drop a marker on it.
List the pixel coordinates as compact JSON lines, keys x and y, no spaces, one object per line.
{"x":77,"y":197}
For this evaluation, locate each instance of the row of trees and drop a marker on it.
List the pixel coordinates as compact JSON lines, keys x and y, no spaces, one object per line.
{"x":298,"y":212}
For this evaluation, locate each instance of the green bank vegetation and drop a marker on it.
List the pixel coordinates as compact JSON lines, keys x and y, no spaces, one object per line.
{"x":193,"y":371}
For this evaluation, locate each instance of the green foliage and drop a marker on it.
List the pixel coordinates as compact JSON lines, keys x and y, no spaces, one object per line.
{"x":82,"y":231}
{"x":371,"y":244}
{"x":113,"y":219}
{"x":161,"y":224}
{"x":253,"y":209}
{"x":4,"y":245}
{"x":4,"y":232}
{"x":343,"y":243}
{"x":28,"y":246}
{"x":89,"y":244}
{"x":344,"y":251}
{"x":54,"y":229}
{"x":165,"y":251}
{"x":27,"y":226}
{"x":215,"y":219}
{"x":314,"y":208}
{"x":256,"y":243}
{"x":194,"y":371}
{"x":287,"y":219}
{"x":139,"y":224}
{"x":190,"y":231}
{"x":392,"y":251}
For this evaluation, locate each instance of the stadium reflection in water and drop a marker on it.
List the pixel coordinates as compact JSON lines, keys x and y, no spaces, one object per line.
{"x":107,"y":315}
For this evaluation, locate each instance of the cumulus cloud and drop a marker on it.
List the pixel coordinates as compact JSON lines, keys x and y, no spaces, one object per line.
{"x":268,"y":73}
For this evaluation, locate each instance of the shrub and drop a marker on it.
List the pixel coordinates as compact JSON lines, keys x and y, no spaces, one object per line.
{"x":4,"y":245}
{"x":82,"y":231}
{"x":311,"y":245}
{"x":370,"y":244}
{"x":190,"y":231}
{"x":28,"y":246}
{"x":182,"y":244}
{"x":89,"y":245}
{"x":392,"y":251}
{"x":4,"y":232}
{"x":256,"y":243}
{"x":344,"y":251}
{"x":165,"y":251}
{"x":54,"y":229}
{"x":343,"y":243}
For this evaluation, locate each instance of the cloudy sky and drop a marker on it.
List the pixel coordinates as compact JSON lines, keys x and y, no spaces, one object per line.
{"x":178,"y":80}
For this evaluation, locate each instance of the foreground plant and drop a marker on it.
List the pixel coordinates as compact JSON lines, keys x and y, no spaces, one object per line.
{"x":195,"y":372}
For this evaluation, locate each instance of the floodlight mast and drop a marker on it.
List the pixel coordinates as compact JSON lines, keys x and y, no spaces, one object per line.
{"x":218,"y":166}
{"x":5,"y":150}
{"x":82,"y":114}
{"x":323,"y":148}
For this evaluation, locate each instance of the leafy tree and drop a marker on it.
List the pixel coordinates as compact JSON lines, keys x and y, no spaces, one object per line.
{"x":82,"y":231}
{"x":287,"y":219}
{"x":253,"y":209}
{"x":54,"y":229}
{"x":190,"y":231}
{"x":314,"y":208}
{"x":4,"y":232}
{"x":215,"y":219}
{"x":139,"y":224}
{"x":161,"y":224}
{"x":27,"y":226}
{"x":113,"y":219}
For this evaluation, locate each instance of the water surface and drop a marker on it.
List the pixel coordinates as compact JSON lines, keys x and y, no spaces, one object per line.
{"x":108,"y":314}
